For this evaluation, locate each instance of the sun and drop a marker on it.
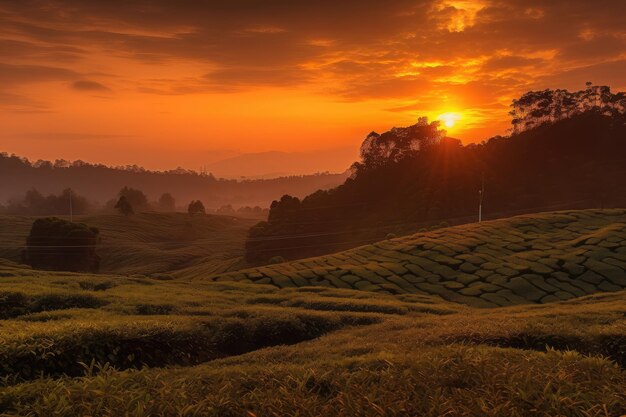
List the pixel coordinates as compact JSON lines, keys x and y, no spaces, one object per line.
{"x":449,"y":119}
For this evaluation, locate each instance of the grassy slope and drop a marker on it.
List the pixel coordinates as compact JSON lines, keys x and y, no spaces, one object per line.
{"x":531,"y":258}
{"x":150,"y":243}
{"x":208,"y":347}
{"x":343,"y":352}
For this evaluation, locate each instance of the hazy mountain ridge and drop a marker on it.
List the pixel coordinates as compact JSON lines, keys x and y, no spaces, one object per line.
{"x":101,"y":183}
{"x":273,"y":164}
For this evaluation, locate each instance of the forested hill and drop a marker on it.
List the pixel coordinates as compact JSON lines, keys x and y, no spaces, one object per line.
{"x":567,"y":151}
{"x":101,"y":183}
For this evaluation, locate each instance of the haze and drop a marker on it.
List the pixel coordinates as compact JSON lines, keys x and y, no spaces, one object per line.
{"x":165,"y":84}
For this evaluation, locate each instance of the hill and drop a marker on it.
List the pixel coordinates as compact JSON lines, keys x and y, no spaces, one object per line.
{"x":151,"y":243}
{"x":414,"y":177}
{"x":99,"y":183}
{"x":102,"y":345}
{"x":536,"y":258}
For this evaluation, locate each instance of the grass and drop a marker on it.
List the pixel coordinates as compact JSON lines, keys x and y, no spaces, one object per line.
{"x":164,"y":245}
{"x":227,"y":345}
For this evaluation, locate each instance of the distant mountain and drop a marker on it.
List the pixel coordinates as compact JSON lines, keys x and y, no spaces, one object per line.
{"x":275,"y":164}
{"x":99,"y":183}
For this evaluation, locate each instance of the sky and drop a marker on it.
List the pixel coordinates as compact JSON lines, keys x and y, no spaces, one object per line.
{"x":166,"y":83}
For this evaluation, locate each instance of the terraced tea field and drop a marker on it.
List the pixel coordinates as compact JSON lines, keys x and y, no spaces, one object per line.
{"x":107,"y":345}
{"x":536,"y":258}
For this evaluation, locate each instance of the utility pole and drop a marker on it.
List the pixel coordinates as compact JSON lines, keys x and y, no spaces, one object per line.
{"x":481,"y":194}
{"x":71,"y":209}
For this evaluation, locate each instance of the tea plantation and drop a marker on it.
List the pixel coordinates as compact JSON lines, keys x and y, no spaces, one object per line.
{"x":536,"y":258}
{"x":390,"y":329}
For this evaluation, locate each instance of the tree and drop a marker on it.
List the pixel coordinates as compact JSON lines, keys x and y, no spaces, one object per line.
{"x":196,"y":207}
{"x":398,"y":144}
{"x":536,"y":108}
{"x":135,"y":198}
{"x":226,"y":209}
{"x":34,"y":203}
{"x":124,"y":207}
{"x":167,"y":203}
{"x":61,"y":245}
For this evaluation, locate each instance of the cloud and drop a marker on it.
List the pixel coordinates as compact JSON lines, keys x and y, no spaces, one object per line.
{"x":20,"y":104}
{"x":86,"y":85}
{"x":508,"y":62}
{"x":473,"y":52}
{"x":25,"y":74}
{"x":68,"y":136}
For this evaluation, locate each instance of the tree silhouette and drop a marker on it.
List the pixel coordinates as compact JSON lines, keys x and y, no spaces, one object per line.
{"x":536,"y":108}
{"x":34,"y":203}
{"x":136,"y":198}
{"x":196,"y":207}
{"x":61,"y":245}
{"x":167,"y":203}
{"x":398,"y":144}
{"x":124,"y":207}
{"x":567,"y":151}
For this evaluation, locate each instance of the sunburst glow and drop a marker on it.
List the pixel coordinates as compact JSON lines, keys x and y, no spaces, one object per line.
{"x":449,"y":119}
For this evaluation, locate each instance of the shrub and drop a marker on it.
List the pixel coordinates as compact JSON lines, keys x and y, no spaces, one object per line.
{"x":277,"y":260}
{"x":196,"y":207}
{"x":57,"y":244}
{"x":154,"y":309}
{"x":50,"y":302}
{"x":15,"y":304}
{"x":96,"y":286}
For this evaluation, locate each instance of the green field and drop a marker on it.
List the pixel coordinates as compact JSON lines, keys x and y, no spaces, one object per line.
{"x":152,"y":243}
{"x":356,"y":333}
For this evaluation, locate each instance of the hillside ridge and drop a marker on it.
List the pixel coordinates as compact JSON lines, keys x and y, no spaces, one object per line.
{"x":535,"y":258}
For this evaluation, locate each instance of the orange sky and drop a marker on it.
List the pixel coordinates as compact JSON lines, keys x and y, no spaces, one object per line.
{"x":165,"y":84}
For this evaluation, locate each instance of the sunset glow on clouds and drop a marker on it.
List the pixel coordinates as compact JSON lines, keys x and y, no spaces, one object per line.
{"x":166,"y":83}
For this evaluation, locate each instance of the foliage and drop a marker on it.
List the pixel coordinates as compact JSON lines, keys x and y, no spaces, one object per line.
{"x":548,"y":106}
{"x":167,"y":203}
{"x":35,"y":204}
{"x":124,"y":206}
{"x":398,"y":144}
{"x":196,"y":207}
{"x":61,"y":245}
{"x":136,"y":198}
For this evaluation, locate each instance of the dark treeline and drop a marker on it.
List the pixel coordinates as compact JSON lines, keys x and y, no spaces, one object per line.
{"x":127,"y":201}
{"x":412,"y":177}
{"x":33,"y":203}
{"x":99,"y":183}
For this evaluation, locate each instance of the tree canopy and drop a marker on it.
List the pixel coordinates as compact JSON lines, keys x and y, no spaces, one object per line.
{"x":124,"y":206}
{"x":167,"y":203}
{"x":196,"y":207}
{"x":536,"y":108}
{"x":57,"y":244}
{"x":35,"y":203}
